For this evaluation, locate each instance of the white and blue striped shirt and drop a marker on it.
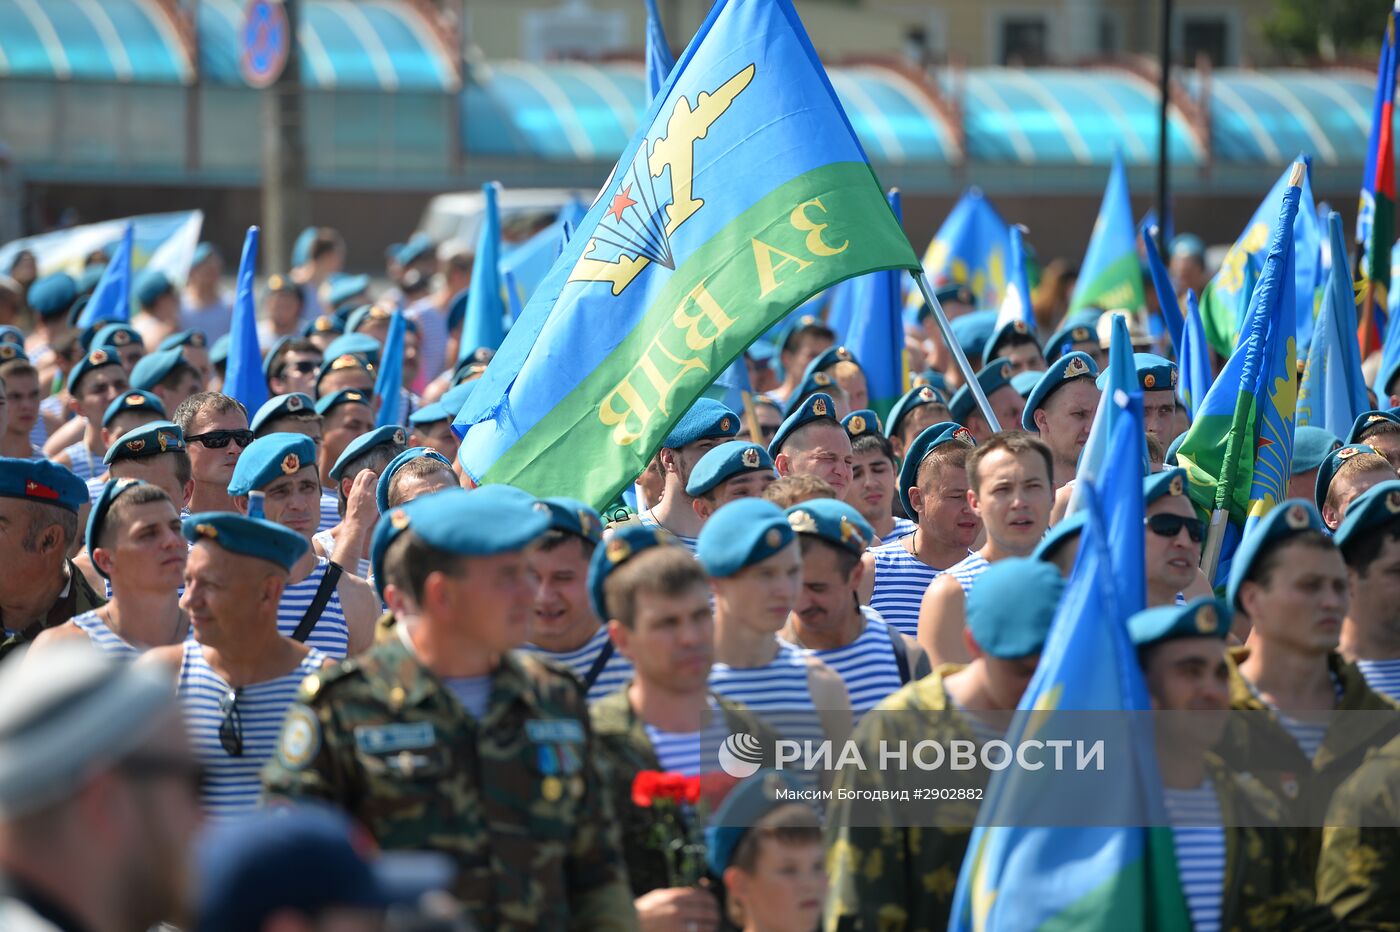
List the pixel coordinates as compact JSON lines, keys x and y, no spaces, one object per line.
{"x":682,"y":751}
{"x":1200,"y":852}
{"x":901,"y":579}
{"x":1311,"y":731}
{"x":866,"y":665}
{"x":81,"y":461}
{"x":614,"y":675}
{"x":104,"y":638}
{"x":330,"y":510}
{"x":363,"y":568}
{"x":903,"y":527}
{"x":331,"y":636}
{"x":95,"y":486}
{"x":777,"y":692}
{"x":1382,"y":675}
{"x":967,"y":570}
{"x":234,"y":784}
{"x":645,"y":517}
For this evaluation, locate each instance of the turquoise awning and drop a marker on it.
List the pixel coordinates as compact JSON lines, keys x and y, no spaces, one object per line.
{"x":120,"y":41}
{"x":1270,"y":116}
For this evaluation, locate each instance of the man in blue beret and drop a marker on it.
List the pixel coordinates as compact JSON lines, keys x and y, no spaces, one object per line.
{"x":755,"y":566}
{"x":216,"y":434}
{"x":874,"y":472}
{"x":1379,"y":430}
{"x":40,"y":587}
{"x":1007,"y":404}
{"x":425,"y":731}
{"x":1061,"y":410}
{"x":1007,"y":623}
{"x":812,"y":442}
{"x":49,"y":298}
{"x":156,"y":453}
{"x":123,"y":340}
{"x":972,"y":331}
{"x":1345,"y":473}
{"x":733,"y":470}
{"x":1009,"y":488}
{"x":158,"y":307}
{"x":917,"y":410}
{"x":804,"y":341}
{"x":295,"y":413}
{"x":204,"y":305}
{"x":1015,"y":342}
{"x":356,"y":478}
{"x":93,"y":384}
{"x":1174,"y":538}
{"x":1077,"y":333}
{"x":563,"y":626}
{"x":168,"y":376}
{"x":130,"y":410}
{"x":829,"y":622}
{"x":1311,"y":445}
{"x":823,"y":383}
{"x":1288,"y":584}
{"x":933,"y":488}
{"x":291,"y":366}
{"x":1157,"y":377}
{"x":1369,"y":539}
{"x":346,"y":416}
{"x":705,"y":426}
{"x":322,"y":605}
{"x":415,"y":472}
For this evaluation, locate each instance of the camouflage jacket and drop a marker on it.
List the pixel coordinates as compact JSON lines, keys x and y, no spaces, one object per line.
{"x":79,"y":597}
{"x":514,"y":797}
{"x":624,"y":750}
{"x":1358,"y":872}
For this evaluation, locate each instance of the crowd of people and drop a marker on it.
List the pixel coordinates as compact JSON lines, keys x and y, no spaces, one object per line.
{"x":289,"y":668}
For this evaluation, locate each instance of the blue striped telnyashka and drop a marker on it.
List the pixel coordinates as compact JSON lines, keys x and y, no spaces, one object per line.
{"x":866,"y":665}
{"x":967,"y":571}
{"x":615,"y":674}
{"x":1382,"y":675}
{"x":331,"y":636}
{"x":1200,"y":852}
{"x":330,"y":510}
{"x":104,"y":638}
{"x":901,"y":579}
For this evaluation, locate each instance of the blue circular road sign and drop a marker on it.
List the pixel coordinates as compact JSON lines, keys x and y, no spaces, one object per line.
{"x":265,"y":40}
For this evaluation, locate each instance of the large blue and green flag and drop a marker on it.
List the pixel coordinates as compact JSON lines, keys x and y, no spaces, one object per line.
{"x":876,"y":334}
{"x":1111,"y":276}
{"x":744,"y":193}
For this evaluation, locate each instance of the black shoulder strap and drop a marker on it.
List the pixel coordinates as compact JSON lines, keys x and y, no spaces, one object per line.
{"x":901,"y":652}
{"x":319,"y":603}
{"x":599,"y":663}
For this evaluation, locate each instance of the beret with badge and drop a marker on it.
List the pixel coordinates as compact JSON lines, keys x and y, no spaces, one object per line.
{"x":724,"y":462}
{"x":41,"y":481}
{"x":622,"y":544}
{"x":268,"y":459}
{"x":1378,"y":507}
{"x":1154,"y":373}
{"x":91,"y":362}
{"x":386,"y":478}
{"x":366,"y":347}
{"x":995,"y":375}
{"x":740,"y":534}
{"x":1062,"y":371}
{"x":1205,"y":616}
{"x":707,"y":419}
{"x":115,"y":336}
{"x":281,"y":406}
{"x":1289,"y":518}
{"x":818,"y":407}
{"x":1311,"y":445}
{"x":1079,"y":327}
{"x":445,"y":408}
{"x":930,"y":377}
{"x":1009,"y":613}
{"x":247,"y":537}
{"x":862,"y":423}
{"x":97,"y":518}
{"x":11,"y":334}
{"x":972,"y":331}
{"x":133,"y":400}
{"x":1368,"y":421}
{"x":151,"y":439}
{"x":1331,"y":463}
{"x":828,"y":358}
{"x":1013,"y":330}
{"x":151,"y":369}
{"x":340,"y":363}
{"x":322,"y":323}
{"x":1169,"y":482}
{"x":811,"y":383}
{"x":571,"y":516}
{"x":9,"y":351}
{"x":916,"y":397}
{"x":833,"y":521}
{"x":929,"y":439}
{"x":346,"y":396}
{"x":191,"y":338}
{"x":389,"y":435}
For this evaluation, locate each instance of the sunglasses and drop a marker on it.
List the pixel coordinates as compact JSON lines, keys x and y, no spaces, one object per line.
{"x":301,"y":367}
{"x":218,"y":439}
{"x":1169,"y":526}
{"x":231,"y":728}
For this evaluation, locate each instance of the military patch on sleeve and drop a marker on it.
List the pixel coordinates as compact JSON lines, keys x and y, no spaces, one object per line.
{"x":382,"y":739}
{"x":554,"y":731}
{"x":301,"y":738}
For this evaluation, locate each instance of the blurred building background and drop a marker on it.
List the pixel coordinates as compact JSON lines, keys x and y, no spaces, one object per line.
{"x":115,"y":107}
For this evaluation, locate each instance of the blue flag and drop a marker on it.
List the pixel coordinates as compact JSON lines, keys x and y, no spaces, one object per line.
{"x":1111,"y":277}
{"x":876,"y":336}
{"x":844,"y":305}
{"x":1332,"y":394}
{"x":1166,"y":292}
{"x":660,"y":61}
{"x":111,"y":299}
{"x":484,"y":324}
{"x":1119,"y":490}
{"x":388,"y":385}
{"x":529,"y":262}
{"x":969,"y":249}
{"x":244,"y":379}
{"x":1122,"y":380}
{"x":1194,"y":361}
{"x":1016,"y":302}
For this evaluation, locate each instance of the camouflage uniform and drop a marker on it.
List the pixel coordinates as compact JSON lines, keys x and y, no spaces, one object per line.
{"x":514,"y":797}
{"x":624,"y":750}
{"x":1358,"y":873}
{"x":78,"y":598}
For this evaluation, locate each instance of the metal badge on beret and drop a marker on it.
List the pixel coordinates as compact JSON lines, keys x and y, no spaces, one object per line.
{"x":295,"y":403}
{"x":1206,"y":619}
{"x":97,"y":357}
{"x":1177,"y":487}
{"x":821,"y":379}
{"x":136,"y":446}
{"x":802,"y":523}
{"x":856,"y":426}
{"x":399,"y":519}
{"x":1296,"y":517}
{"x":290,"y":464}
{"x":399,"y":436}
{"x":207,"y":531}
{"x":749,"y":458}
{"x":849,"y":532}
{"x":1392,"y":502}
{"x":121,"y":338}
{"x":724,"y":423}
{"x":1076,"y":366}
{"x":964,"y":436}
{"x":773,"y":538}
{"x":819,"y":408}
{"x":1149,"y":380}
{"x":1346,"y":453}
{"x":617,"y":550}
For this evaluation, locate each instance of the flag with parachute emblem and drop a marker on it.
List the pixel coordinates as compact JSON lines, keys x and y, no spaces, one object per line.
{"x":1111,"y":276}
{"x":699,"y":243}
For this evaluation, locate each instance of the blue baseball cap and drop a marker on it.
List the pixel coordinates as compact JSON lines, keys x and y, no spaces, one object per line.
{"x":929,"y":439}
{"x":740,"y":534}
{"x":133,"y":400}
{"x":1061,"y":372}
{"x":707,"y":419}
{"x":41,"y":481}
{"x":623,"y":543}
{"x":1288,"y":518}
{"x":281,"y":406}
{"x":386,"y":478}
{"x":724,"y":462}
{"x":268,"y":459}
{"x":833,"y":521}
{"x":389,"y":435}
{"x":247,"y":537}
{"x":150,"y":439}
{"x":1009,"y":612}
{"x":1202,"y":617}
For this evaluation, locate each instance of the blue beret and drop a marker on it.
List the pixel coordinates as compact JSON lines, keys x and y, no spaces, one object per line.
{"x":1331,"y":463}
{"x":418,"y":246}
{"x":111,"y":491}
{"x":624,"y":543}
{"x":323,"y":323}
{"x":445,"y":408}
{"x":42,"y":481}
{"x":1188,"y":244}
{"x":151,"y":439}
{"x":862,"y":423}
{"x":52,"y":295}
{"x":301,"y":248}
{"x":761,"y":351}
{"x":1169,"y":457}
{"x":1311,"y":446}
{"x":75,"y":314}
{"x":1011,"y":330}
{"x":203,"y":253}
{"x":1025,"y":382}
{"x":828,"y":358}
{"x":465,"y":370}
{"x":1060,"y":533}
{"x":484,"y":522}
{"x":1162,"y":484}
{"x":1202,"y":617}
{"x":1383,"y":384}
{"x":362,"y":315}
{"x":337,"y":363}
{"x":818,"y":407}
{"x":346,"y":287}
{"x":748,"y":801}
{"x":280,"y":406}
{"x":929,"y":439}
{"x":1154,"y":373}
{"x":833,"y":521}
{"x":1288,"y":518}
{"x":94,"y":360}
{"x":1369,"y":420}
{"x":973,"y":330}
{"x":381,"y":489}
{"x":268,"y":459}
{"x":812,"y":382}
{"x":248,"y":537}
{"x":89,"y":277}
{"x":959,"y":293}
{"x":1074,"y":330}
{"x":115,"y":336}
{"x":1009,"y":612}
{"x":724,"y":462}
{"x":133,"y":400}
{"x":355,"y":344}
{"x":919,"y":395}
{"x":151,"y":286}
{"x":12,"y":335}
{"x":932,"y":378}
{"x":152,"y":368}
{"x":194,"y":338}
{"x":1378,"y":506}
{"x":346,"y":396}
{"x":9,"y":351}
{"x":1062,"y":371}
{"x":270,"y":356}
{"x":806,"y":320}
{"x":995,"y":375}
{"x":707,"y":419}
{"x":218,"y":353}
{"x":390,"y":434}
{"x":572,"y":516}
{"x":740,"y":534}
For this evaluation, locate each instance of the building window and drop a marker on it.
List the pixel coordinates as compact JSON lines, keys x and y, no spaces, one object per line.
{"x":1209,"y":36}
{"x":1024,"y":40}
{"x":1108,"y":34}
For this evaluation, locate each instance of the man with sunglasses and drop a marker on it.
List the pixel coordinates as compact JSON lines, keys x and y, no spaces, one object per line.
{"x":98,"y":795}
{"x":216,"y":434}
{"x":292,"y":367}
{"x":238,"y":675}
{"x":1174,"y":537}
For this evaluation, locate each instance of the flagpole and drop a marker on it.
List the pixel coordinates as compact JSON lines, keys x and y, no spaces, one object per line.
{"x":965,"y":367}
{"x":751,"y":418}
{"x":1215,"y":541}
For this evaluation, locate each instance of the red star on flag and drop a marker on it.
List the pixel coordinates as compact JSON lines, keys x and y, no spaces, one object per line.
{"x":620,"y":202}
